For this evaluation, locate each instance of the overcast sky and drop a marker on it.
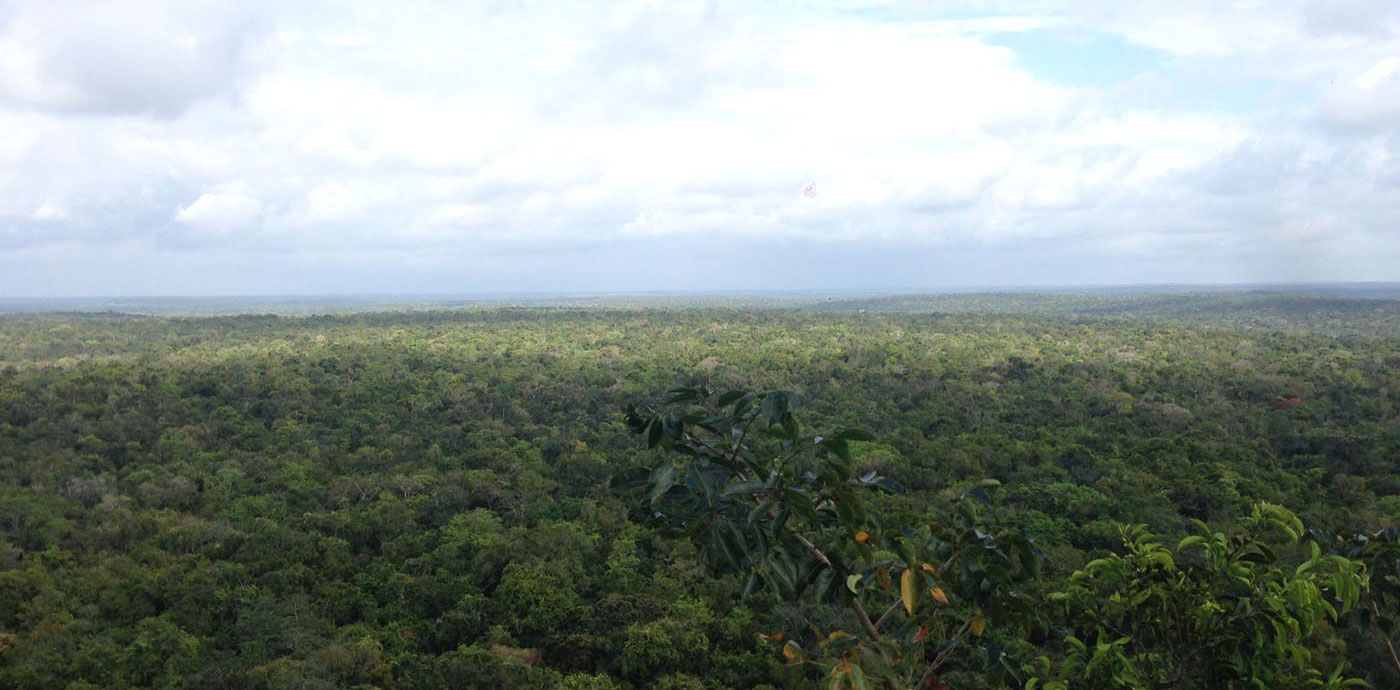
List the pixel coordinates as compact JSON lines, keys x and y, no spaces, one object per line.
{"x":185,"y":147}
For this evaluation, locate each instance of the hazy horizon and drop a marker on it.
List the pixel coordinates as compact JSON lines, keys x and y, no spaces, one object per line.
{"x":1387,"y":289}
{"x":258,"y":148}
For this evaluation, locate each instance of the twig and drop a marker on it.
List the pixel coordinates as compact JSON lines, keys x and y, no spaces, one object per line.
{"x":861,"y":615}
{"x":864,"y":619}
{"x":880,"y":624}
{"x":1393,"y":656}
{"x":932,"y":671}
{"x":948,"y":563}
{"x":810,"y":547}
{"x":734,"y":454}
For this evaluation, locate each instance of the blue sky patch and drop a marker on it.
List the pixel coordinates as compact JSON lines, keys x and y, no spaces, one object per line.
{"x":1077,"y":58}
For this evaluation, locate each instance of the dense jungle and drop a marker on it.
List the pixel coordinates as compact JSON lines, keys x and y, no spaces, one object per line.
{"x":1196,"y":490}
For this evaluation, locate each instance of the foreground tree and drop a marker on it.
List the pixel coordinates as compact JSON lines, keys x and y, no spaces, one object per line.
{"x":789,"y":512}
{"x":1378,"y":612}
{"x":1221,"y":610}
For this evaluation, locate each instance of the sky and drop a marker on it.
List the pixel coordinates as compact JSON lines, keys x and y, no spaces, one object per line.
{"x":223,"y":148}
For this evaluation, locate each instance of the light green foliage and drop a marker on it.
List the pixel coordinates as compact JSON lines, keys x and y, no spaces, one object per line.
{"x":479,"y":668}
{"x":1224,"y":609}
{"x":534,"y":601}
{"x":623,"y":564}
{"x":586,"y":681}
{"x":160,"y":656}
{"x":678,"y":681}
{"x":655,"y":648}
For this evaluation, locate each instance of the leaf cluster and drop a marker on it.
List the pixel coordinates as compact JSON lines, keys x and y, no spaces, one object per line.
{"x":789,"y":513}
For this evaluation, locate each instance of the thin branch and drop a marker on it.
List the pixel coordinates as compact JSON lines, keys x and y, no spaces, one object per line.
{"x":862,"y":616}
{"x":734,"y":454}
{"x":810,"y":547}
{"x":864,"y":619}
{"x":870,"y":628}
{"x":885,"y":617}
{"x":948,"y":563}
{"x":1390,"y":646}
{"x":932,"y":671}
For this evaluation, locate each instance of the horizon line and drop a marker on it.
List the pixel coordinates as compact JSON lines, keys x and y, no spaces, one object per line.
{"x":810,"y":291}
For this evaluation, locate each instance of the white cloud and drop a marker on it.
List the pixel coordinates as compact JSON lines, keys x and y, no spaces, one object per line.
{"x":48,"y":211}
{"x":463,"y":215}
{"x":1380,"y":73}
{"x":499,"y":135}
{"x":334,"y":201}
{"x":221,"y":212}
{"x":124,"y":56}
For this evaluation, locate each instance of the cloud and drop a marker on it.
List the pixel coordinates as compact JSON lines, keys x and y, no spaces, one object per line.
{"x":122,"y":57}
{"x":492,"y":145}
{"x":49,"y":212}
{"x":221,"y":213}
{"x":1365,"y":102}
{"x":1374,"y":19}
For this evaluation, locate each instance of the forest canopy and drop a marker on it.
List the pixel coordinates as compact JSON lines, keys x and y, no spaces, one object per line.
{"x":455,"y":498}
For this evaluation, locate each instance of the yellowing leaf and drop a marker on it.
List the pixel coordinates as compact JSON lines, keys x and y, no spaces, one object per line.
{"x":841,"y":669}
{"x":862,"y":537}
{"x":938,"y":595}
{"x":791,"y":651}
{"x":977,"y":625}
{"x":906,"y":590}
{"x":929,"y":569}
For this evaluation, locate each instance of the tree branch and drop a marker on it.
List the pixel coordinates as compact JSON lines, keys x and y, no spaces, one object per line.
{"x":864,"y":619}
{"x":817,"y":553}
{"x":734,"y":453}
{"x":884,"y":617}
{"x":810,"y":547}
{"x":932,"y":671}
{"x":948,"y":563}
{"x":870,"y":628}
{"x":1390,"y":646}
